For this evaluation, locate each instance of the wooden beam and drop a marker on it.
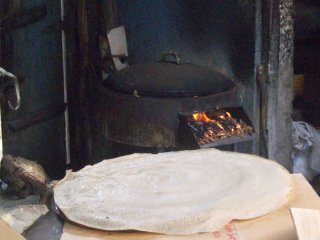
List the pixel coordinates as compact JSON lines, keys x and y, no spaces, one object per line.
{"x":261,"y":76}
{"x":280,"y":84}
{"x":256,"y":91}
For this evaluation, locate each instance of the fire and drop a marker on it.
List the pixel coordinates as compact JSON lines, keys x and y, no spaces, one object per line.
{"x":201,"y":117}
{"x":219,"y":124}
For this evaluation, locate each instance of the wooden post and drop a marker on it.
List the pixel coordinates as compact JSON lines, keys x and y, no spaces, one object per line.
{"x":85,"y":20}
{"x":280,"y":82}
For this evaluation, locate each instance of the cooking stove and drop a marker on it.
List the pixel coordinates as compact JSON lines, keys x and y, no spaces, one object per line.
{"x":143,"y":105}
{"x":215,"y":128}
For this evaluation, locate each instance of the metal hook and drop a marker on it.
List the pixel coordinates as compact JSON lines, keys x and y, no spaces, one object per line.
{"x":4,"y":73}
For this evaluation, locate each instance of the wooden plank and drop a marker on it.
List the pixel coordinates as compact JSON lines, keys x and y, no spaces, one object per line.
{"x":307,"y":222}
{"x":36,"y":117}
{"x":256,"y":91}
{"x":285,"y":84}
{"x":8,"y":233}
{"x":280,"y":91}
{"x":273,"y":71}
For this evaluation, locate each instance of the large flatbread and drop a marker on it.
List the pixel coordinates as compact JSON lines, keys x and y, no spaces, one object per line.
{"x":174,"y":193}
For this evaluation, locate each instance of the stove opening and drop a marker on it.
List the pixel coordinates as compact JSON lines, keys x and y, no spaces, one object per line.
{"x":217,"y":127}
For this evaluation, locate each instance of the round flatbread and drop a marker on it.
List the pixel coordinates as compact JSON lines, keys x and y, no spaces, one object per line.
{"x":174,"y":193}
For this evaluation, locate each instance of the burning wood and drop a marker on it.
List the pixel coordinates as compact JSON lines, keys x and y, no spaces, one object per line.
{"x":217,"y":125}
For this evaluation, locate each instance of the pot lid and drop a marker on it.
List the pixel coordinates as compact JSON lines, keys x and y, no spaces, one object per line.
{"x":169,"y":79}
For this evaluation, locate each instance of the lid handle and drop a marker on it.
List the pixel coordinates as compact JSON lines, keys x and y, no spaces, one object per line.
{"x":175,"y":55}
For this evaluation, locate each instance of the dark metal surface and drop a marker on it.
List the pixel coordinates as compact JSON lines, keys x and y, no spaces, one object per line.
{"x":152,"y":121}
{"x":49,"y":226}
{"x":169,"y":79}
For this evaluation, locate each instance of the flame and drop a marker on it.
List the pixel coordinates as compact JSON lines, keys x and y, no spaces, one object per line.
{"x":219,"y":125}
{"x":201,"y":117}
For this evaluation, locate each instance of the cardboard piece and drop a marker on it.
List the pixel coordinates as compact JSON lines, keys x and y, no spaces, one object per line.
{"x":7,"y":232}
{"x":274,"y":226}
